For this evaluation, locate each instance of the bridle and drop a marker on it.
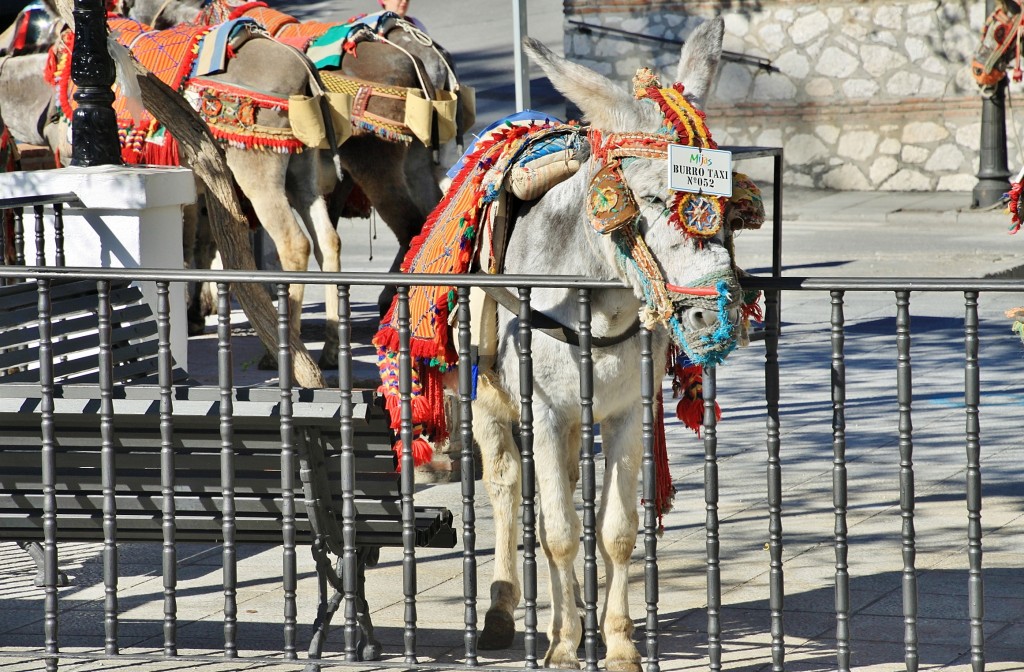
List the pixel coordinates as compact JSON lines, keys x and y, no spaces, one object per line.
{"x":613,"y":210}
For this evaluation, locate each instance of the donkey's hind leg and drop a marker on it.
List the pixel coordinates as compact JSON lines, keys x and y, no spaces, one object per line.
{"x":261,"y":177}
{"x":304,"y":195}
{"x":501,"y":475}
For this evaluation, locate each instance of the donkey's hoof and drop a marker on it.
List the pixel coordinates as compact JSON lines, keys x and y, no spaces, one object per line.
{"x":499,"y":631}
{"x":328,"y":360}
{"x":267,"y":362}
{"x":559,"y":657}
{"x":196,"y":328}
{"x":622,"y":665}
{"x":371,"y":651}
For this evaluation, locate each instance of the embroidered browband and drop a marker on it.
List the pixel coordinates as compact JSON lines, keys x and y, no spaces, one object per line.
{"x":610,"y":203}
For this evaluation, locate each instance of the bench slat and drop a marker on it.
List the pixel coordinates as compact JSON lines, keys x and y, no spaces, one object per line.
{"x":385,"y":529}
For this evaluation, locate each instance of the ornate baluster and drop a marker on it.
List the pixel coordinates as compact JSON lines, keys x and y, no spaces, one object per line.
{"x":839,"y":491}
{"x":108,"y":469}
{"x":904,"y":393}
{"x":227,"y":470}
{"x":468,"y":466}
{"x":349,"y":559}
{"x":48,"y":458}
{"x":589,"y":477}
{"x":776,"y":590}
{"x":529,"y":478}
{"x":168,"y":524}
{"x":408,"y":513}
{"x":288,"y":560}
{"x":94,"y":124}
{"x":972,"y":397}
{"x":649,"y":470}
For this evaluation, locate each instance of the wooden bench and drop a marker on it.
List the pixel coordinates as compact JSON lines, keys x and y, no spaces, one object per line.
{"x":205,"y":453}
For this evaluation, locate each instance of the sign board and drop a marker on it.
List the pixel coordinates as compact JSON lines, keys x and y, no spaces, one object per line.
{"x":700,"y":171}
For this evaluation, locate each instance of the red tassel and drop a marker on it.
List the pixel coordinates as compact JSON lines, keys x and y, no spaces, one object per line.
{"x":689,"y":384}
{"x":664,"y":490}
{"x":1014,"y":205}
{"x":422,"y":452}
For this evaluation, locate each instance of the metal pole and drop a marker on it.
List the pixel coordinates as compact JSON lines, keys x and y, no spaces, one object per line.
{"x":993,"y":174}
{"x":94,"y":124}
{"x":521,"y":67}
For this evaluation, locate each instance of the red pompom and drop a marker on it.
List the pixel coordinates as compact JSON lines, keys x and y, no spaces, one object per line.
{"x":422,"y":452}
{"x":689,"y":384}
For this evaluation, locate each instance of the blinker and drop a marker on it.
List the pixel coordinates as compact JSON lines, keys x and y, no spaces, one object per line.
{"x":610,"y":202}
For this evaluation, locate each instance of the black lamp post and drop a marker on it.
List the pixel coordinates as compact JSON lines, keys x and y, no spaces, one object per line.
{"x":94,"y":124}
{"x":993,"y":174}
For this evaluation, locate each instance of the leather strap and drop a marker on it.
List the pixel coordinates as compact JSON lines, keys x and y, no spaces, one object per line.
{"x":554,"y":328}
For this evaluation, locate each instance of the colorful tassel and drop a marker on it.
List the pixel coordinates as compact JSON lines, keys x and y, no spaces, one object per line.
{"x":1014,"y":205}
{"x":422,"y":452}
{"x":688,"y":383}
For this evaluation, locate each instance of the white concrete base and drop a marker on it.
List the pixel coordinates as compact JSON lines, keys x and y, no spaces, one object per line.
{"x":126,"y":217}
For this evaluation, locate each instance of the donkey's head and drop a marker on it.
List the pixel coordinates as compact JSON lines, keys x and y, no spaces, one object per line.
{"x":668,"y":245}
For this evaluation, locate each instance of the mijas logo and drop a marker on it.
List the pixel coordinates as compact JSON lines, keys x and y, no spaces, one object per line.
{"x":700,"y":160}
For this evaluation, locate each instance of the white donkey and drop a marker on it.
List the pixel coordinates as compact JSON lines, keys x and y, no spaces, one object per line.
{"x":553,"y":237}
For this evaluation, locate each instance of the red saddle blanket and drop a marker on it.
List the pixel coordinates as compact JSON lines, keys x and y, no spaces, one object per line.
{"x":169,"y":54}
{"x":282,"y":26}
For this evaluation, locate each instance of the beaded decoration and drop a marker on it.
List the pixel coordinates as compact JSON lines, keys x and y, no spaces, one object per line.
{"x":697,"y":215}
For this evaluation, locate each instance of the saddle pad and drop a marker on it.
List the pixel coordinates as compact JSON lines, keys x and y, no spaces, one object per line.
{"x":168,"y":54}
{"x":447,"y":245}
{"x":214,"y":47}
{"x":233,"y":113}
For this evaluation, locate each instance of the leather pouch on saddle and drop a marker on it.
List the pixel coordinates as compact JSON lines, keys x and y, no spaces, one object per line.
{"x":305,"y":114}
{"x":419,"y":115}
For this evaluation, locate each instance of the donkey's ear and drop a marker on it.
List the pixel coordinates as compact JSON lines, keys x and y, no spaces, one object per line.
{"x":698,"y":61}
{"x":598,"y":97}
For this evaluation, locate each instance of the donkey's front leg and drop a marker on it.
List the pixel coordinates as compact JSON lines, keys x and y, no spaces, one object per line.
{"x":616,"y":536}
{"x":557,"y":472}
{"x":501,"y":476}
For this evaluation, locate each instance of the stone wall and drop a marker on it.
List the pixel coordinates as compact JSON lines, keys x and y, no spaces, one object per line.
{"x":870,"y":94}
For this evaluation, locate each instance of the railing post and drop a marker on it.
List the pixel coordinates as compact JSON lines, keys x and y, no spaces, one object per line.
{"x":94,"y":124}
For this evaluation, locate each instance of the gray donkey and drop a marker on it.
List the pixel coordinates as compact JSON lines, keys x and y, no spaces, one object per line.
{"x":553,"y":236}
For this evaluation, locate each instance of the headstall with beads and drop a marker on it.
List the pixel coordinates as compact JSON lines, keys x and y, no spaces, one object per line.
{"x":612,"y":209}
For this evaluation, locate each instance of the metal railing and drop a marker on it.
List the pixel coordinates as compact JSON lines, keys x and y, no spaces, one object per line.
{"x":768,"y":406}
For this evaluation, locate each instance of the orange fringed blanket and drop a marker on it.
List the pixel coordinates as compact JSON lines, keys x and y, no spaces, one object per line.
{"x":278,"y":24}
{"x":168,"y":54}
{"x":447,"y":245}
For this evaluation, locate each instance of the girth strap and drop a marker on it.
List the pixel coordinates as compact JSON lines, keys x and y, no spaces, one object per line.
{"x":554,"y":328}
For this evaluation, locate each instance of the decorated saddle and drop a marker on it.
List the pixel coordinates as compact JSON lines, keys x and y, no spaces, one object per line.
{"x":181,"y":57}
{"x":326,"y":45}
